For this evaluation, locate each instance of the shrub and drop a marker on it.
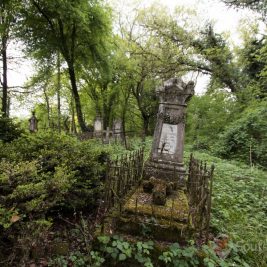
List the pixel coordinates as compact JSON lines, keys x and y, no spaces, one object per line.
{"x":53,"y":157}
{"x":246,"y":138}
{"x":9,"y":130}
{"x":207,"y":117}
{"x":42,"y":175}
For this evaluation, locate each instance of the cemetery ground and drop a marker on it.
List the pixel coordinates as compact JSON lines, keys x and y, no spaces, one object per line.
{"x":51,"y":190}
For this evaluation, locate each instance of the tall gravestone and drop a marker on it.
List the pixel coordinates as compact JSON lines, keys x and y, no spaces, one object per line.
{"x":33,"y":123}
{"x":98,"y":126}
{"x":166,"y":157}
{"x":117,"y":129}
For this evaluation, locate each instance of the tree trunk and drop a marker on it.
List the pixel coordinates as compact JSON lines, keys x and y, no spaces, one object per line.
{"x":123,"y":118}
{"x":58,"y":94}
{"x":73,"y":125}
{"x":8,"y":106}
{"x":145,"y":125}
{"x":105,"y":107}
{"x":47,"y":106}
{"x":4,"y":108}
{"x":76,"y":98}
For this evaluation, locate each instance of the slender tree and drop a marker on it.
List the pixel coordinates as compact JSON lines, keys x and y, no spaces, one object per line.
{"x":7,"y":8}
{"x":58,"y":93}
{"x":75,"y":28}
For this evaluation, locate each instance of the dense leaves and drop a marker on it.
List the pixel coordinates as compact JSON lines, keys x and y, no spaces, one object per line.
{"x":76,"y":29}
{"x":42,"y":175}
{"x":9,"y":130}
{"x":246,"y":138}
{"x":207,"y":117}
{"x":76,"y":171}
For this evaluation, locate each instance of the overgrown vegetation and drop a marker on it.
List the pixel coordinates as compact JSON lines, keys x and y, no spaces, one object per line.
{"x":239,"y":207}
{"x":45,"y":174}
{"x":41,"y":189}
{"x":90,"y":60}
{"x":9,"y":130}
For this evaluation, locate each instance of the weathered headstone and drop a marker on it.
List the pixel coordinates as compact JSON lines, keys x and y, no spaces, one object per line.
{"x":106,"y":137}
{"x":166,"y":157}
{"x":33,"y":123}
{"x":117,"y":130}
{"x":98,"y":126}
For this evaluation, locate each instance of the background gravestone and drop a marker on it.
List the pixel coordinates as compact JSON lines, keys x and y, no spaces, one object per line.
{"x":166,"y":157}
{"x":33,"y":123}
{"x":117,"y":129}
{"x":98,"y":126}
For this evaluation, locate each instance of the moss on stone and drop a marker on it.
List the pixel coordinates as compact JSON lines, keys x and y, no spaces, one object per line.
{"x":175,"y":209}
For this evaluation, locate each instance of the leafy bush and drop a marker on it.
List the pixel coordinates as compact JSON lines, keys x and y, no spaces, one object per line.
{"x":207,"y":117}
{"x":115,"y":249}
{"x":246,"y":138}
{"x":9,"y":130}
{"x":42,"y":175}
{"x":56,"y":163}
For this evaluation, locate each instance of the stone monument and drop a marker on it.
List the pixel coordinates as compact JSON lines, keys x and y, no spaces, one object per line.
{"x":33,"y":123}
{"x":166,"y":157}
{"x":106,"y":136}
{"x":117,"y":130}
{"x":98,"y":126}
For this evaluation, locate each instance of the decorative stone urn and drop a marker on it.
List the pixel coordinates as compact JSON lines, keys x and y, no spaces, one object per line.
{"x":166,"y":157}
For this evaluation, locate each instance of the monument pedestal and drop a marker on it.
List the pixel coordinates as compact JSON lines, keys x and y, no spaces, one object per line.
{"x":169,"y":171}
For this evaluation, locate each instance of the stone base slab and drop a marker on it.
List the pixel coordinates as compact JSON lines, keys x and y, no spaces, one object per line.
{"x":162,"y":170}
{"x":166,"y":223}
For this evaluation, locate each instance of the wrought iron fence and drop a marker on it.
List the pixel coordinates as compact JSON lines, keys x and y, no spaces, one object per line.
{"x":123,"y":173}
{"x":199,"y":188}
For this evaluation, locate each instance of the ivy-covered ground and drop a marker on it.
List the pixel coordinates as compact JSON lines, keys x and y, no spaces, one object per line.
{"x":50,"y":186}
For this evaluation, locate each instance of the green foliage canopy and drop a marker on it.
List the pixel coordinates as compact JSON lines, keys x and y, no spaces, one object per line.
{"x":77,"y":29}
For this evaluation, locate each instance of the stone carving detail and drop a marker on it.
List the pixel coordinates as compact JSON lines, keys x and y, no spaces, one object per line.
{"x":171,"y":118}
{"x":176,"y":91}
{"x":168,"y":139}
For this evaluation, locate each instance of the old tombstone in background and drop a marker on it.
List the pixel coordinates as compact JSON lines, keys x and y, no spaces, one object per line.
{"x":117,"y":130}
{"x":33,"y":123}
{"x":166,"y":157}
{"x":98,"y":126}
{"x":106,"y":136}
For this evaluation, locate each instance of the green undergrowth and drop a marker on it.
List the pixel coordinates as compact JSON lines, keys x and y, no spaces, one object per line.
{"x":118,"y":251}
{"x":46,"y":174}
{"x":43,"y":176}
{"x":239,"y":206}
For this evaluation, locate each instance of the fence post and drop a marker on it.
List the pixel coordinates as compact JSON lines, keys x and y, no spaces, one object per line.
{"x":199,"y":185}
